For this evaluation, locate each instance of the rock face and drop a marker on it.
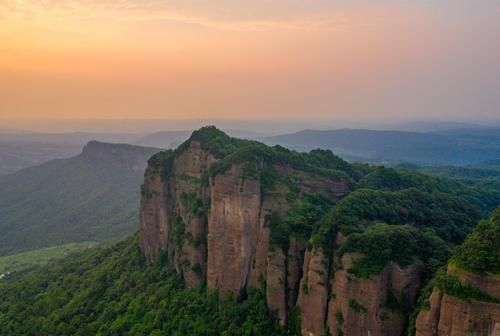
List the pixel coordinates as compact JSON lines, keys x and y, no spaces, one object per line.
{"x":313,"y":297}
{"x":132,"y":158}
{"x":171,"y":216}
{"x":233,"y":227}
{"x":450,"y":315}
{"x":216,"y":219}
{"x":374,"y":306}
{"x":215,"y":228}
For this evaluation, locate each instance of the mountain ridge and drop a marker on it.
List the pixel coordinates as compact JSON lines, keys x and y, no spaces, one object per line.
{"x":398,"y":146}
{"x":72,"y":199}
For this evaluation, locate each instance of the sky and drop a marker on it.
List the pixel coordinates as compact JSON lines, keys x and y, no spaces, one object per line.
{"x":319,"y":60}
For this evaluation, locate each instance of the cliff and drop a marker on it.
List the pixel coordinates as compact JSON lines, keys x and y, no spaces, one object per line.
{"x":466,"y":299}
{"x":236,"y":214}
{"x":224,"y":219}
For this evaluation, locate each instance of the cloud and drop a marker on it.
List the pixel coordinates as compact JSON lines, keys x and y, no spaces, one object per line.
{"x":39,"y":12}
{"x":290,"y":15}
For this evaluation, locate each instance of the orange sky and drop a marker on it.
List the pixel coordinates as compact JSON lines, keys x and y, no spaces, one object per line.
{"x":246,"y":60}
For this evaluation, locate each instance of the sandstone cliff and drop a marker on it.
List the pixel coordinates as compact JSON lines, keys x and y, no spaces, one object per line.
{"x":236,"y":214}
{"x":465,"y":301}
{"x":217,"y":226}
{"x":448,"y":314}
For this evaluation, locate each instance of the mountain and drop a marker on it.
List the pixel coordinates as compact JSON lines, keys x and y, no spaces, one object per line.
{"x":481,"y":132}
{"x":452,"y":148}
{"x":434,"y":126}
{"x":239,"y":238}
{"x":23,"y":149}
{"x":93,"y":196}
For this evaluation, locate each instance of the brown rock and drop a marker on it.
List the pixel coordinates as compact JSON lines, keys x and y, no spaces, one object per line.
{"x":313,"y":294}
{"x":359,"y":306}
{"x":233,"y":225}
{"x":449,"y":315}
{"x":155,"y":221}
{"x":487,"y":283}
{"x":294,"y":269}
{"x":276,"y":284}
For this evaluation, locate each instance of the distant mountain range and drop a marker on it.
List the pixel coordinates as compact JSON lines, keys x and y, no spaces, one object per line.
{"x":15,"y":156}
{"x":172,"y":139}
{"x":23,"y":149}
{"x":418,"y":143}
{"x":452,"y":147}
{"x":91,"y":197}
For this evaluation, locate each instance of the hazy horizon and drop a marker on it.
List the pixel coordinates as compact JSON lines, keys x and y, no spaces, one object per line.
{"x":308,"y":62}
{"x":266,"y":127}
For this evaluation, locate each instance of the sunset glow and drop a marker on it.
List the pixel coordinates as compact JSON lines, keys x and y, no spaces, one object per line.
{"x":227,"y":59}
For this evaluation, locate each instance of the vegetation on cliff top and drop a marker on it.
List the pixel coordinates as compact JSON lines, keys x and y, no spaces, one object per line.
{"x":451,"y":217}
{"x":231,"y":151}
{"x":451,"y":285}
{"x":402,"y":244}
{"x":480,"y":252}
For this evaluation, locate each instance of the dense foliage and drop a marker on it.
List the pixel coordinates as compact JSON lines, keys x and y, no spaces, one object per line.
{"x":480,"y":252}
{"x":467,"y":173}
{"x":449,"y":216}
{"x":112,"y":292}
{"x":299,"y":221}
{"x":401,"y":244}
{"x":318,"y":161}
{"x":451,"y":284}
{"x":484,"y":194}
{"x":393,"y":215}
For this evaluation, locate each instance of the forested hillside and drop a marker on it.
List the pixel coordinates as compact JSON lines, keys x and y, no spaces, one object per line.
{"x":238,"y":238}
{"x":91,"y":197}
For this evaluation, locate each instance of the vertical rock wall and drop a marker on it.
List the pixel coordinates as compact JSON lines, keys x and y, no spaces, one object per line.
{"x":450,"y":315}
{"x":213,"y":228}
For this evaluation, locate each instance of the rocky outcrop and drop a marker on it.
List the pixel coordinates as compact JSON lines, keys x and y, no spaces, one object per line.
{"x":276,"y":289}
{"x":214,"y":227}
{"x":465,"y":301}
{"x":486,"y":283}
{"x":450,"y":315}
{"x":378,"y":305}
{"x":313,"y":295}
{"x":129,"y":157}
{"x":233,"y":228}
{"x":172,"y":219}
{"x":155,"y":218}
{"x":213,"y":220}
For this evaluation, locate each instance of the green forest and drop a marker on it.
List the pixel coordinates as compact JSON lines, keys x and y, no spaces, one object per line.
{"x":393,"y":215}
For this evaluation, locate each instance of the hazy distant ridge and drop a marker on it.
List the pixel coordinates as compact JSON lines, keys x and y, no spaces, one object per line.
{"x":465,"y":146}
